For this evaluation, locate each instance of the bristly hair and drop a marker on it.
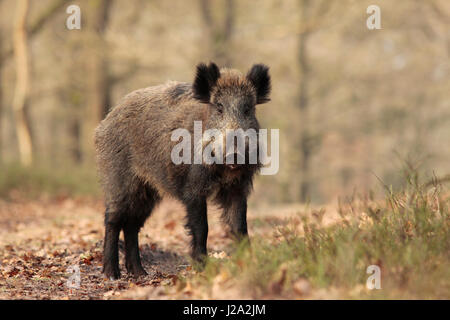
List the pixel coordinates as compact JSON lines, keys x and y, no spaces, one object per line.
{"x":259,"y":77}
{"x":205,"y":80}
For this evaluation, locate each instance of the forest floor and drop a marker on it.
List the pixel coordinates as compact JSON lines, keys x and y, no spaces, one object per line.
{"x":46,"y":245}
{"x":41,"y":241}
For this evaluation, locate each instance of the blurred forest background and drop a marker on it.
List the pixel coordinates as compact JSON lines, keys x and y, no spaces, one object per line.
{"x":353,"y":105}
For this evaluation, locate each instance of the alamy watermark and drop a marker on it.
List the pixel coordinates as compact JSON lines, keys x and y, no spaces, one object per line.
{"x":374,"y":20}
{"x":374,"y":281}
{"x":214,"y":146}
{"x":74,"y":281}
{"x":73,"y":22}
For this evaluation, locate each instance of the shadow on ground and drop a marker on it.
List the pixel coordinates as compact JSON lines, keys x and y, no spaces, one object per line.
{"x":157,"y":261}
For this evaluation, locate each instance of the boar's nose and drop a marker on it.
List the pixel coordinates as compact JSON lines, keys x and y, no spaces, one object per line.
{"x":234,"y":160}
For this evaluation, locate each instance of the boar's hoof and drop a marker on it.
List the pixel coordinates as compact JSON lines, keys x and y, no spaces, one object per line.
{"x":112,"y":273}
{"x":199,"y":262}
{"x":136,"y":271}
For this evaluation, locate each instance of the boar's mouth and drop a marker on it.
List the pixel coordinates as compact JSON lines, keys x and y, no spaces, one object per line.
{"x":237,"y":162}
{"x":233,"y":166}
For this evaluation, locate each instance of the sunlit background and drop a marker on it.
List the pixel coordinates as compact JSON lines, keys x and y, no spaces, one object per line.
{"x":354,"y":106}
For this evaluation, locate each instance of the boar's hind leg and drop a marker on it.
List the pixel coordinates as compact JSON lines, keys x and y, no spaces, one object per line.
{"x":142,"y":205}
{"x":111,"y":245}
{"x":197,"y":225}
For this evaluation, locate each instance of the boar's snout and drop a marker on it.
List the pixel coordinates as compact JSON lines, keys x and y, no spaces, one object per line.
{"x":233,"y":160}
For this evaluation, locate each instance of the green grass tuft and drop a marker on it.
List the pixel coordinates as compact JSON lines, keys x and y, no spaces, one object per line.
{"x":406,"y":235}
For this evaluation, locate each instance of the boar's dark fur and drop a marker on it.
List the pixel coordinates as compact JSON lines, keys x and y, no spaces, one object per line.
{"x":133,"y":147}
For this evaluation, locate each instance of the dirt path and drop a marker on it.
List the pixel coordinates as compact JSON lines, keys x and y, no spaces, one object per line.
{"x":42,"y":245}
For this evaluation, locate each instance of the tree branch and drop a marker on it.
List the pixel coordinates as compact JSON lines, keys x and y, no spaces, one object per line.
{"x":37,"y":25}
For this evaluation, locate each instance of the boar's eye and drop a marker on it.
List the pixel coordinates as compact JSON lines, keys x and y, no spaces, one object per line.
{"x":219,"y":107}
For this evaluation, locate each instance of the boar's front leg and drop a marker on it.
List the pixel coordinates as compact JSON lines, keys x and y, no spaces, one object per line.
{"x":197,"y":225}
{"x":132,"y":258}
{"x":235,"y":215}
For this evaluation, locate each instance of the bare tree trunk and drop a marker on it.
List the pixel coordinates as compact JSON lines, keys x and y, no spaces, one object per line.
{"x":75,"y":133}
{"x":37,"y":25}
{"x":99,"y":85}
{"x":312,"y":13}
{"x":71,"y":95}
{"x":98,"y":64}
{"x":1,"y":101}
{"x":305,"y":134}
{"x":219,"y":35}
{"x":22,"y":83}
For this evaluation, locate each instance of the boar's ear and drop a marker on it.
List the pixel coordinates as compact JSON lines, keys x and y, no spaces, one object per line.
{"x":259,"y":77}
{"x":205,"y":80}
